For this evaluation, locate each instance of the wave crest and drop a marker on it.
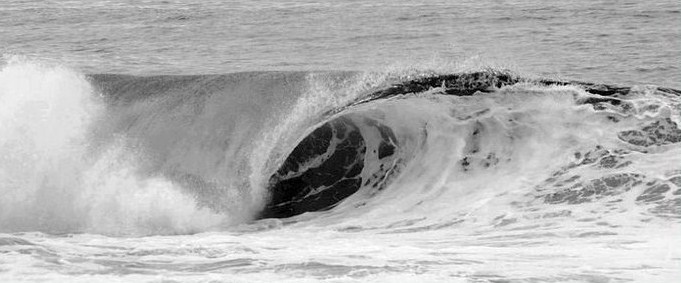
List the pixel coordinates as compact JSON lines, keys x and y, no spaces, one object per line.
{"x":118,"y":154}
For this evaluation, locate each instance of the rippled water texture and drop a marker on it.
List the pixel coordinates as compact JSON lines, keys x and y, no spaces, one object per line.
{"x":628,"y":42}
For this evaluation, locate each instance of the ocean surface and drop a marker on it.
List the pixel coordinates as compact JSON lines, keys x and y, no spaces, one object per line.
{"x":340,"y":141}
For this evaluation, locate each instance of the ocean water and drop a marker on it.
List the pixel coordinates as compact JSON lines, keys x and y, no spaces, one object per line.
{"x":354,"y":141}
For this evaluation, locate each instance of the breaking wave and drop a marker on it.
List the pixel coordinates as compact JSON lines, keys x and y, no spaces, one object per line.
{"x":403,"y":151}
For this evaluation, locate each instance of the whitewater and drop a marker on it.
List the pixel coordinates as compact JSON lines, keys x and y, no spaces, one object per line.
{"x":159,"y":159}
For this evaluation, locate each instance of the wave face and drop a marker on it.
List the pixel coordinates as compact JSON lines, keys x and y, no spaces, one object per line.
{"x":487,"y":157}
{"x":246,"y":146}
{"x":124,"y":155}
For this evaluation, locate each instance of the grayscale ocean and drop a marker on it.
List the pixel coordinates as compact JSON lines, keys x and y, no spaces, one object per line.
{"x":340,"y":141}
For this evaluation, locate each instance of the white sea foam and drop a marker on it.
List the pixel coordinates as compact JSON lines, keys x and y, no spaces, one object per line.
{"x":51,"y":181}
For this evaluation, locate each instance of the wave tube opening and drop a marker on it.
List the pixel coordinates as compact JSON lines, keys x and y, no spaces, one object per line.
{"x":333,"y":162}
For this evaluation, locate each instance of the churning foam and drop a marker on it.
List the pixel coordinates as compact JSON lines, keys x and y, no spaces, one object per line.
{"x":51,"y":180}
